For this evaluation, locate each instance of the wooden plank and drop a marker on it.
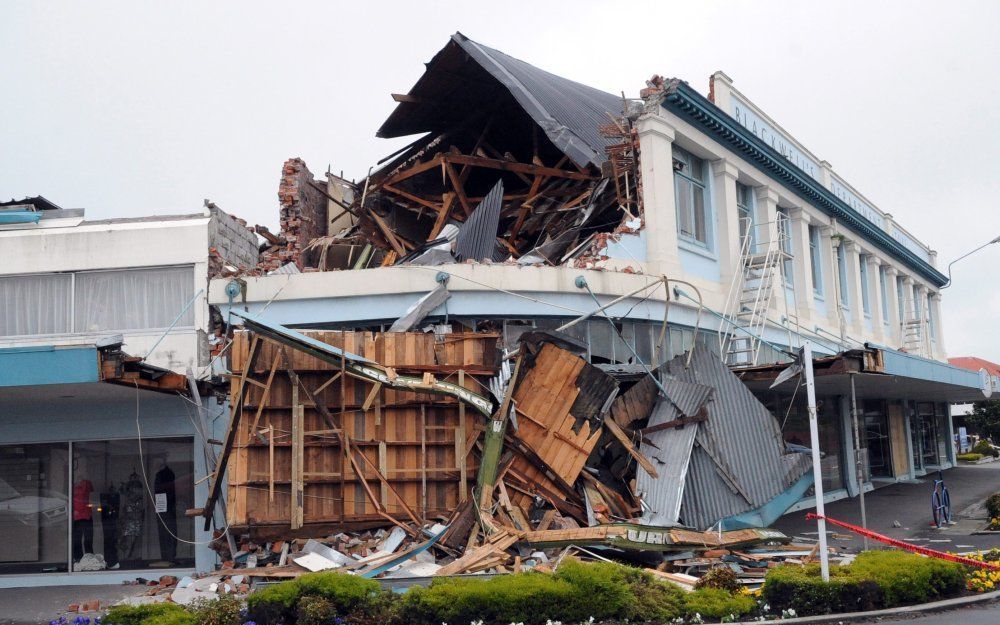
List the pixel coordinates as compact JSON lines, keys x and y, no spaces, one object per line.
{"x":267,"y":391}
{"x":298,"y":479}
{"x":458,"y":187}
{"x":632,"y":450}
{"x":505,"y":165}
{"x":460,"y":456}
{"x":234,"y":420}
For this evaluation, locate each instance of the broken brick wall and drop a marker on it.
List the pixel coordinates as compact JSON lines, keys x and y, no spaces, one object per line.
{"x":231,"y":242}
{"x":303,"y":211}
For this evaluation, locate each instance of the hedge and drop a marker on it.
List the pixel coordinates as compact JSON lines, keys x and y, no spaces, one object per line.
{"x":717,"y":603}
{"x":875,"y":580}
{"x":159,"y":613}
{"x":343,"y":594}
{"x":576,"y":592}
{"x":970,"y":457}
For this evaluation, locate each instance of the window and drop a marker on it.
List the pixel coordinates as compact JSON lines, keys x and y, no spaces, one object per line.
{"x":114,"y":513}
{"x":931,"y":321}
{"x":816,"y":259}
{"x":96,"y":301}
{"x":36,"y":304}
{"x":745,"y":210}
{"x":918,"y":313}
{"x":866,"y":304}
{"x":133,"y":299}
{"x":845,"y":301}
{"x":900,"y":300}
{"x":34,"y":512}
{"x":883,"y":287}
{"x":689,"y":188}
{"x":785,"y":240}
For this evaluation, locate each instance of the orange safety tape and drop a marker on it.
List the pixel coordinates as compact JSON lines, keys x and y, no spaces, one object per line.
{"x":905,"y":545}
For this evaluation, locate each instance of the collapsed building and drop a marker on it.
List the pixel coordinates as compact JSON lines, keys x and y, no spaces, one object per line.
{"x":558,"y":320}
{"x":627,"y":274}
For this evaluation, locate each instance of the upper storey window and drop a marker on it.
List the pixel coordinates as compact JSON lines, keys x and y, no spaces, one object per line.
{"x":744,"y":207}
{"x":689,"y":189}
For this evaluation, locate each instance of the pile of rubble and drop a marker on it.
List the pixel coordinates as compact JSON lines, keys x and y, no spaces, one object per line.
{"x":406,"y":455}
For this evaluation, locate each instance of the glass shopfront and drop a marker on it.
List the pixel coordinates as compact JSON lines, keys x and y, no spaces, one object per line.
{"x":98,"y":505}
{"x":794,"y":421}
{"x":876,"y":439}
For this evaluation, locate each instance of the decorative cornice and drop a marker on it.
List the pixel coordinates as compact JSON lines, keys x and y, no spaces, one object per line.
{"x":684,"y":101}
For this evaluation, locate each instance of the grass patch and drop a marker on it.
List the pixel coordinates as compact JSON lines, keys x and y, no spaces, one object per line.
{"x":970,"y":457}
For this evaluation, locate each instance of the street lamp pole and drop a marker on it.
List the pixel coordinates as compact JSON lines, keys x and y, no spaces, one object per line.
{"x":948,"y":284}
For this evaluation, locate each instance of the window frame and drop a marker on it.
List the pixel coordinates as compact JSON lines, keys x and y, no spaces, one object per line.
{"x":883,"y":278}
{"x":73,"y":274}
{"x":866,"y":298}
{"x":746,"y":208}
{"x":689,"y":162}
{"x":844,"y":291}
{"x":816,"y":260}
{"x":784,"y":228}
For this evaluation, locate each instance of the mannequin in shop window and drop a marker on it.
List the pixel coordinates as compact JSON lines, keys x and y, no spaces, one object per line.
{"x":83,"y":521}
{"x":165,"y":497}
{"x":132,"y":499}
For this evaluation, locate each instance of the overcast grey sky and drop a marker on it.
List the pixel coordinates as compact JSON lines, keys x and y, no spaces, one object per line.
{"x":138,"y":107}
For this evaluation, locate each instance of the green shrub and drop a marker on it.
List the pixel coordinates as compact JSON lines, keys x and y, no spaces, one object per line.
{"x":223,"y":610}
{"x":315,"y":611}
{"x":274,"y":604}
{"x":717,"y":603}
{"x":173,"y":618}
{"x":346,"y":593}
{"x":909,"y":578}
{"x":574,"y":593}
{"x":876,"y":579}
{"x":721,"y":577}
{"x":973,"y":457}
{"x":801,"y":588}
{"x":137,"y":614}
{"x":993,"y":506}
{"x":984,"y":448}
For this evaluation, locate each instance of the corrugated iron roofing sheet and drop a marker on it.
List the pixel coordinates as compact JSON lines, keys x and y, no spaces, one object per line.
{"x":477,"y":240}
{"x":568,"y":112}
{"x":670,"y":452}
{"x":742,"y":439}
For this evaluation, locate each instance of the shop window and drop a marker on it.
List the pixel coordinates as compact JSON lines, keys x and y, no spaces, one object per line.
{"x":928,"y":424}
{"x":877,"y":439}
{"x":689,"y":191}
{"x":795,"y":430}
{"x":128,"y":507}
{"x":34,"y":508}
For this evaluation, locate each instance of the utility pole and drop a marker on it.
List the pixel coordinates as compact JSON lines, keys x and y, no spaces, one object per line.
{"x":807,"y":370}
{"x":858,"y":464}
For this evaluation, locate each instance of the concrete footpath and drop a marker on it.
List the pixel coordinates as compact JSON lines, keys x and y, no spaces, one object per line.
{"x":909,"y":504}
{"x":29,"y":606}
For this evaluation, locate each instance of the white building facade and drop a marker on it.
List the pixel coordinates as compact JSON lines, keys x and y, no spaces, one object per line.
{"x":96,"y":477}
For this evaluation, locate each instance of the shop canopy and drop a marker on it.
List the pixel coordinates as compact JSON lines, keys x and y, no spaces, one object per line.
{"x":880,"y":372}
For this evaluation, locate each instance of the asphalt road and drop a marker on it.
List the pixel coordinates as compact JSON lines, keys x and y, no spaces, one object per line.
{"x":988,"y":614}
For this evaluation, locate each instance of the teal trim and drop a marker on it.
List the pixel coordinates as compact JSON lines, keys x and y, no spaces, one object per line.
{"x":767,"y":514}
{"x":19,"y":217}
{"x":684,"y":101}
{"x":920,"y":368}
{"x":48,"y":364}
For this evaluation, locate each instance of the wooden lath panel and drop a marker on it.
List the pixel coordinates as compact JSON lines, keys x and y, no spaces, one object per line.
{"x":413,"y":439}
{"x":544,"y":399}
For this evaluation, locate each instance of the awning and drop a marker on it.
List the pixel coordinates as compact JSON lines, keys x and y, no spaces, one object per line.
{"x":46,"y":365}
{"x":880,"y":372}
